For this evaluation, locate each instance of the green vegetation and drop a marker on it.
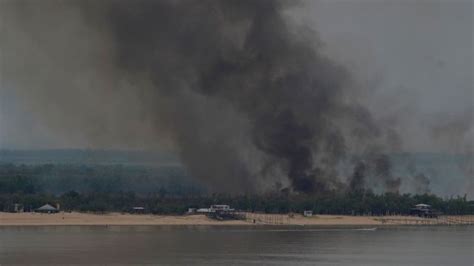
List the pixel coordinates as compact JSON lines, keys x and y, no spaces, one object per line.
{"x":362,"y":203}
{"x":57,"y":179}
{"x":166,"y":190}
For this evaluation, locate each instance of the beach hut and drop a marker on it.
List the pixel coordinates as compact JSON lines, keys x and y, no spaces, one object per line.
{"x":47,"y":209}
{"x":424,"y":210}
{"x":203,"y":210}
{"x":138,"y":210}
{"x":220,"y":207}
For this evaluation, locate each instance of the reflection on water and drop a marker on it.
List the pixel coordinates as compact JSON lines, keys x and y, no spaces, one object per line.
{"x":207,"y":245}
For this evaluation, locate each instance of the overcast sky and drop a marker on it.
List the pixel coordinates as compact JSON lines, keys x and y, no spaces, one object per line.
{"x":414,"y":58}
{"x":424,"y":46}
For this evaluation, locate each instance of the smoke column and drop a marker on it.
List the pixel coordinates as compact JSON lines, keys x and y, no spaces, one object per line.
{"x":246,"y":98}
{"x":241,"y":56}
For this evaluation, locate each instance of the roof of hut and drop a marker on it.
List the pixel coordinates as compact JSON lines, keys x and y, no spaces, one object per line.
{"x":46,"y":207}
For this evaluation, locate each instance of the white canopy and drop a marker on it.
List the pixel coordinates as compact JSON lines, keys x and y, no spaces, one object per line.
{"x":46,"y":207}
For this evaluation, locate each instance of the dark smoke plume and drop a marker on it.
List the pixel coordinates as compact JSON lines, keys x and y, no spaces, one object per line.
{"x":245,"y":97}
{"x":357,"y":182}
{"x":383,"y":170}
{"x":374,"y":170}
{"x":421,"y":184}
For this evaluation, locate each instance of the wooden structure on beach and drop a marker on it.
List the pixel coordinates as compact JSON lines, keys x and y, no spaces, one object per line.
{"x":220,"y":212}
{"x":263,"y":218}
{"x":440,"y":220}
{"x":424,"y":210}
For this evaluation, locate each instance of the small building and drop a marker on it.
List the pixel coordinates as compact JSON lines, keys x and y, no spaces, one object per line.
{"x":423,"y":210}
{"x":203,"y":210}
{"x":220,"y":208}
{"x":17,"y":207}
{"x":308,"y":213}
{"x":422,"y":206}
{"x":138,"y":210}
{"x":191,"y":210}
{"x":219,"y":212}
{"x":47,"y":209}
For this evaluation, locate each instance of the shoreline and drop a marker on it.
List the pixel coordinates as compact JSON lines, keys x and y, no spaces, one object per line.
{"x":113,"y":219}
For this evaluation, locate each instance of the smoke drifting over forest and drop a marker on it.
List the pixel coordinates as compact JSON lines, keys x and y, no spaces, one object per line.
{"x":244,"y":96}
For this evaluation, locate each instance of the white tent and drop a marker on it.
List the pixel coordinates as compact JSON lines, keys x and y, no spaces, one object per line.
{"x":47,"y":208}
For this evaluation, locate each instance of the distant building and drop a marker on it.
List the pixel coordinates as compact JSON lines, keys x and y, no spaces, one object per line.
{"x":47,"y":209}
{"x":220,"y":208}
{"x":203,"y":210}
{"x":17,"y":207}
{"x":215,"y":208}
{"x":423,"y":210}
{"x":218,"y":211}
{"x":138,"y":209}
{"x":221,"y":212}
{"x":422,"y":206}
{"x":308,"y":213}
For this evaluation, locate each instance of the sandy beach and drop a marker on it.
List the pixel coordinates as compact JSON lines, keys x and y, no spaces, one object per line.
{"x":74,"y":218}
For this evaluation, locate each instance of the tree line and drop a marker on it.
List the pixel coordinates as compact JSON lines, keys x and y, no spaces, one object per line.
{"x":60,"y":178}
{"x":354,"y":203}
{"x":167,"y":190}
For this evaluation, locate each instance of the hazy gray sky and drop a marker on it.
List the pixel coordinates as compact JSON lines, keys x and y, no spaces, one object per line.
{"x":414,"y":59}
{"x":417,"y":54}
{"x":424,"y":46}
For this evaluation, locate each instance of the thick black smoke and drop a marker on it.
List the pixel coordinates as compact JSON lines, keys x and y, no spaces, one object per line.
{"x":246,"y":97}
{"x":358,"y":182}
{"x":374,"y":170}
{"x":245,"y":56}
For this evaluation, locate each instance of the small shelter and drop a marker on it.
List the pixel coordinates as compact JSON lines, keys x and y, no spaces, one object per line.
{"x":308,"y":213}
{"x":17,"y":207}
{"x":47,"y":209}
{"x":220,"y":208}
{"x":424,"y":210}
{"x":422,"y":206}
{"x":203,"y":210}
{"x":138,"y":209}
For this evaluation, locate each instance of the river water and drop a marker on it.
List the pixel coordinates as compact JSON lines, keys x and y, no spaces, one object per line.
{"x":208,"y":245}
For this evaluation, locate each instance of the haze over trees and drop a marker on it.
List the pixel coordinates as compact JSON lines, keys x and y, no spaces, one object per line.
{"x":170,"y":190}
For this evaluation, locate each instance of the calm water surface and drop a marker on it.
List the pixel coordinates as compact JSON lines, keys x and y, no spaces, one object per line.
{"x":207,"y":245}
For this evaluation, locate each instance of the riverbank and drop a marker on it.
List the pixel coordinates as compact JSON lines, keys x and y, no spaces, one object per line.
{"x":75,"y":218}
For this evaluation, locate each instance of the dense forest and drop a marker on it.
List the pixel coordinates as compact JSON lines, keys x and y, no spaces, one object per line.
{"x":144,"y":172}
{"x":167,"y":190}
{"x":360,"y":203}
{"x":100,"y":178}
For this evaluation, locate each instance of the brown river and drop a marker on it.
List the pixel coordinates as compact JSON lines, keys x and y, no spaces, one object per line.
{"x":234,"y":245}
